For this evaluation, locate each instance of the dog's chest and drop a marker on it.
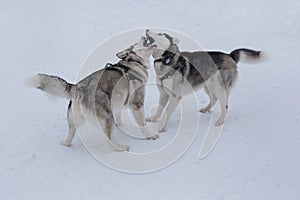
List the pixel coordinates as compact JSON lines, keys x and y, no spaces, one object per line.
{"x":168,"y":83}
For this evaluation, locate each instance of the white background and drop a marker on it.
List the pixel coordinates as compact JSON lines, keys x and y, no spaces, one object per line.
{"x":257,"y":156}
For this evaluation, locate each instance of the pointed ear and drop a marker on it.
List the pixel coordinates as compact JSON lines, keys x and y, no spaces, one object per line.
{"x":175,"y":40}
{"x":122,"y":54}
{"x":174,"y":48}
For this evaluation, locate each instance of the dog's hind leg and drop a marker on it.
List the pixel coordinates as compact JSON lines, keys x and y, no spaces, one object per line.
{"x":221,"y":95}
{"x":72,"y":122}
{"x":212,"y":102}
{"x":227,"y":96}
{"x":107,"y":126}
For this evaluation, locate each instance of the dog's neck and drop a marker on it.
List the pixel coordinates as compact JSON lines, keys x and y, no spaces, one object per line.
{"x":172,"y":53}
{"x":133,"y":59}
{"x":167,"y":62}
{"x":138,"y":68}
{"x":146,"y":62}
{"x":132,"y":63}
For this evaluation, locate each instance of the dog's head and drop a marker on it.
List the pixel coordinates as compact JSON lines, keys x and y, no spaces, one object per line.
{"x":139,"y":52}
{"x":162,"y":41}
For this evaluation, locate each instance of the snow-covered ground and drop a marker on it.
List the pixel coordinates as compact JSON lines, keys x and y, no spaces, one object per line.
{"x":257,"y":156}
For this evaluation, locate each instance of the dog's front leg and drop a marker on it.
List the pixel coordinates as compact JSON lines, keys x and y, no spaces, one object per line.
{"x":136,"y":104}
{"x":174,"y":100}
{"x":163,"y":100}
{"x":138,"y":113}
{"x":173,"y":87}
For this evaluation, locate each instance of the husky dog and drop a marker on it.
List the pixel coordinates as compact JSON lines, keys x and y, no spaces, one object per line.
{"x":101,"y":96}
{"x":179,"y":73}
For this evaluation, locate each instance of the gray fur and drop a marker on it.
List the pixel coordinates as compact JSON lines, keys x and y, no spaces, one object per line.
{"x":53,"y":85}
{"x":105,"y":92}
{"x":215,"y":71}
{"x":236,"y":54}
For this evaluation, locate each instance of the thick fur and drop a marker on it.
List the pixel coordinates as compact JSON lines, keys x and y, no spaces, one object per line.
{"x":101,"y":96}
{"x":53,"y":85}
{"x":179,"y":73}
{"x":248,"y":56}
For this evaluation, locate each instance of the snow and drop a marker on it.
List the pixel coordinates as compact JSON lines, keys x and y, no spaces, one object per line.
{"x":257,"y":156}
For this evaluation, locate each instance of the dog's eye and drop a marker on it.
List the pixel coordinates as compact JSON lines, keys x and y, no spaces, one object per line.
{"x":160,"y":34}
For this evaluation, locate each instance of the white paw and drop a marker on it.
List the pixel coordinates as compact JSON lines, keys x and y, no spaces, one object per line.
{"x":65,"y":143}
{"x":163,"y":129}
{"x":121,"y":147}
{"x":153,"y":137}
{"x":219,"y":122}
{"x":150,"y":119}
{"x":204,"y":110}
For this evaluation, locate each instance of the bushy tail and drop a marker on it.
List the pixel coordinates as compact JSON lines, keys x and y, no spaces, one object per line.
{"x":53,"y":85}
{"x":247,"y":55}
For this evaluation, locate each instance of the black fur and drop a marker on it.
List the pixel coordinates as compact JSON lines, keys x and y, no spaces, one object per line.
{"x":251,"y":53}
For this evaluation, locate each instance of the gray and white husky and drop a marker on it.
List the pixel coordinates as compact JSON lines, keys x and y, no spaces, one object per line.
{"x":179,"y":73}
{"x":101,"y":96}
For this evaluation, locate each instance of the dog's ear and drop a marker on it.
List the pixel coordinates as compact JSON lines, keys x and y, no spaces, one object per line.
{"x":173,"y":48}
{"x":122,"y":54}
{"x":125,"y":53}
{"x":175,"y":40}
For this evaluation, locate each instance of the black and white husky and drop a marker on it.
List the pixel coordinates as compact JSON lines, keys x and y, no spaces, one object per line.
{"x":101,"y":96}
{"x":179,"y":73}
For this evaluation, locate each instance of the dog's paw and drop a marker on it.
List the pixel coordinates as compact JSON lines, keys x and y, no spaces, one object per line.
{"x":204,"y":110}
{"x":219,"y":122}
{"x":65,"y":143}
{"x":122,"y":147}
{"x":150,"y":119}
{"x":153,"y":137}
{"x":163,"y":129}
{"x":118,"y":123}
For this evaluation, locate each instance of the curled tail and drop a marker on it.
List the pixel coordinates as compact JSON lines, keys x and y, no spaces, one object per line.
{"x":53,"y":85}
{"x":246,"y":55}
